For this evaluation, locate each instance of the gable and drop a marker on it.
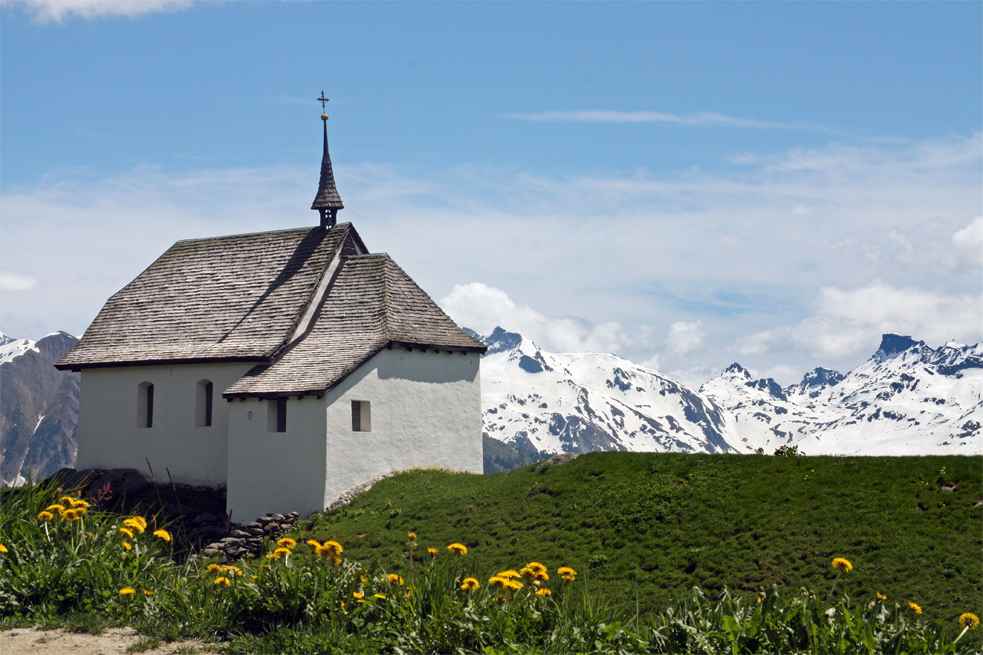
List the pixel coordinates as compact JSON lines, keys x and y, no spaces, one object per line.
{"x":235,"y":298}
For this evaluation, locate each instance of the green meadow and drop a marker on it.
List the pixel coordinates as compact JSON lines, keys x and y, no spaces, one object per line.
{"x":612,"y":552}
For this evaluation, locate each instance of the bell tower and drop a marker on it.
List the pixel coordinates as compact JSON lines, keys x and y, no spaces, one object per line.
{"x":327,"y":201}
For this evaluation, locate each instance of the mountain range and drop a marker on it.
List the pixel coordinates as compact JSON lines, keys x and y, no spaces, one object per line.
{"x":907,"y":399}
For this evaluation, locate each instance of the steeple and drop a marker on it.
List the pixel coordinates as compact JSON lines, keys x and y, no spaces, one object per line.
{"x":327,"y":201}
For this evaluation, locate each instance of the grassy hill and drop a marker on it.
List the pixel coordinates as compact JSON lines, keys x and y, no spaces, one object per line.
{"x":646,"y":528}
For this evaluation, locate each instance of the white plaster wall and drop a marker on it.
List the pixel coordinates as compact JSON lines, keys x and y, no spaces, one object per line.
{"x":426,"y":411}
{"x":108,"y":436}
{"x":275,"y":471}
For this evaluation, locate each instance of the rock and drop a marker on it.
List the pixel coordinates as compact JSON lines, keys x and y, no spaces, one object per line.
{"x":277,"y":517}
{"x":240,"y":534}
{"x":257,"y":532}
{"x":285,"y":526}
{"x":556,"y":460}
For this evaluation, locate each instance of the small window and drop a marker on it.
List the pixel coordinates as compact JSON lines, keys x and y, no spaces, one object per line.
{"x":276,"y":415}
{"x":361,"y":416}
{"x":203,"y":404}
{"x":145,"y":405}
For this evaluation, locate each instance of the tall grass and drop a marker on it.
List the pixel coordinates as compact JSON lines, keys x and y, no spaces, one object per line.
{"x":68,"y":568}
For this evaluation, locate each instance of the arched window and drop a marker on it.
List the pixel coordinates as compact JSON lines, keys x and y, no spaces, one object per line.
{"x":203,"y":404}
{"x":145,"y":405}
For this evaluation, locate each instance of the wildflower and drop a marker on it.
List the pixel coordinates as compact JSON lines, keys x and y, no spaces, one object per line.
{"x":127,"y":532}
{"x":45,"y":516}
{"x":214,"y":568}
{"x":313,"y":543}
{"x":81,"y":511}
{"x":163,"y":534}
{"x":71,"y":515}
{"x":357,"y":595}
{"x":412,"y":536}
{"x":842,"y":565}
{"x":915,"y":607}
{"x":969,"y":620}
{"x":567,"y":573}
{"x":759,"y":600}
{"x":67,"y":501}
{"x":80,"y":504}
{"x":281,"y":551}
{"x":432,"y":551}
{"x":394,"y":579}
{"x":135,"y":525}
{"x":497,"y":581}
{"x":287,"y":543}
{"x":333,"y":548}
{"x":126,"y":591}
{"x":509,"y":575}
{"x":220,"y":580}
{"x":512,"y":585}
{"x":234,"y":570}
{"x":56,"y":508}
{"x":147,"y":592}
{"x":335,"y":561}
{"x":881,"y":596}
{"x":469,"y":584}
{"x":458,"y":549}
{"x":379,"y":596}
{"x":3,"y":549}
{"x":543,"y":592}
{"x":127,"y":546}
{"x":535,"y":571}
{"x":536,"y":566}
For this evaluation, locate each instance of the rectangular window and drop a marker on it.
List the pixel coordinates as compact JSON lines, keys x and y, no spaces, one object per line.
{"x":145,"y":405}
{"x":208,"y":405}
{"x":203,"y":404}
{"x":150,"y":406}
{"x":361,"y":416}
{"x":276,"y":415}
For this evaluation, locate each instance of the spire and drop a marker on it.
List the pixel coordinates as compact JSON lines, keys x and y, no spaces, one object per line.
{"x":327,"y":201}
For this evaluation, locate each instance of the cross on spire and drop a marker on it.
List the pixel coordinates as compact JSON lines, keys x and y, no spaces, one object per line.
{"x":327,"y":201}
{"x":322,"y":100}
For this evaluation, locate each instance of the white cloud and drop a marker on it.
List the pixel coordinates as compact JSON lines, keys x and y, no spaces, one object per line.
{"x":14,"y":281}
{"x":968,"y":243}
{"x":685,"y":338}
{"x":55,"y":11}
{"x":702,"y":119}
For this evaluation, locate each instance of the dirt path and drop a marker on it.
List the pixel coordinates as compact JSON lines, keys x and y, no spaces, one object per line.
{"x":28,"y":641}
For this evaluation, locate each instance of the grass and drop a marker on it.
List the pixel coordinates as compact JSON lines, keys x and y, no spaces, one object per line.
{"x":675,"y":554}
{"x":647,"y":528}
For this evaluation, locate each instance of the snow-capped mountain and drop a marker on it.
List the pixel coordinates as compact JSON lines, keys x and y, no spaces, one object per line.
{"x":549,"y":403}
{"x":907,"y":399}
{"x":38,"y":407}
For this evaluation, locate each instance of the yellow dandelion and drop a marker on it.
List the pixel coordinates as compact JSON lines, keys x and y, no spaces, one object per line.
{"x":379,"y":596}
{"x":147,"y":592}
{"x":915,"y":607}
{"x":142,"y":521}
{"x":412,"y":536}
{"x":135,"y":526}
{"x":45,"y":516}
{"x":458,"y":549}
{"x":512,"y":585}
{"x":214,"y":568}
{"x":469,"y":584}
{"x":127,"y":532}
{"x":314,"y":543}
{"x":842,"y":565}
{"x":80,"y":504}
{"x":881,"y":596}
{"x":567,"y":573}
{"x":234,"y":570}
{"x":536,"y":566}
{"x":335,"y":561}
{"x":3,"y":549}
{"x":127,"y":545}
{"x":334,"y":548}
{"x":56,"y":508}
{"x":969,"y":620}
{"x":126,"y":591}
{"x":163,"y":534}
{"x":543,"y":592}
{"x":287,"y":542}
{"x":220,"y":580}
{"x":394,"y":579}
{"x":281,"y":551}
{"x":432,"y":551}
{"x":497,"y":581}
{"x":67,"y":501}
{"x":357,"y":595}
{"x":509,"y":574}
{"x":71,"y":514}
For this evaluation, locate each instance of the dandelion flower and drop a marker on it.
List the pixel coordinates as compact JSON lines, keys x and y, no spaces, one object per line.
{"x":469,"y":584}
{"x":543,"y":592}
{"x":127,"y":545}
{"x":357,"y":595}
{"x":235,"y":570}
{"x":147,"y":592}
{"x":512,"y":585}
{"x":67,"y":501}
{"x":127,"y":532}
{"x":287,"y":542}
{"x":432,"y":551}
{"x":313,"y":543}
{"x":458,"y":549}
{"x":56,"y":508}
{"x":412,"y":536}
{"x":379,"y":596}
{"x":567,"y":573}
{"x":509,"y":575}
{"x":394,"y":579}
{"x":45,"y":516}
{"x":80,"y":504}
{"x":915,"y":607}
{"x":969,"y":620}
{"x":881,"y":596}
{"x":281,"y":551}
{"x":71,"y":514}
{"x":134,"y":525}
{"x":335,"y":561}
{"x":842,"y":565}
{"x":126,"y":591}
{"x":497,"y":581}
{"x":220,"y":580}
{"x":3,"y":549}
{"x":334,"y":548}
{"x":214,"y":568}
{"x":163,"y":534}
{"x":536,"y":566}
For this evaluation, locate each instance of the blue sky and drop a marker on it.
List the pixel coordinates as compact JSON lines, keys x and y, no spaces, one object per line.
{"x":686,"y":184}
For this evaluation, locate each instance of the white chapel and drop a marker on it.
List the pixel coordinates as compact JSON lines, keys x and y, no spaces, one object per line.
{"x":288,"y":366}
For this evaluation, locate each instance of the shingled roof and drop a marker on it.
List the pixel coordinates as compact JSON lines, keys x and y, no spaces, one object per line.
{"x":372,"y":304}
{"x":304,"y":303}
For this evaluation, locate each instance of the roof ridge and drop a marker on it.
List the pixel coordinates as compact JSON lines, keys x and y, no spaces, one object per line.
{"x":251,"y":234}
